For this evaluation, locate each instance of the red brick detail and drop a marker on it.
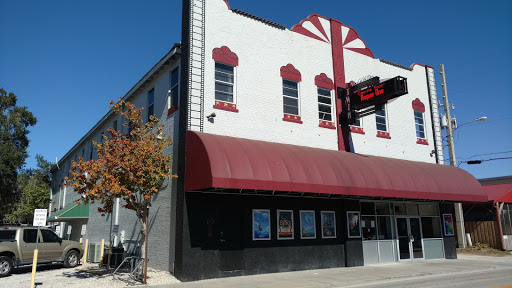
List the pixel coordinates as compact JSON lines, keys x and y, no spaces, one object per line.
{"x":224,"y":55}
{"x":289,"y":72}
{"x":292,"y":118}
{"x":422,"y":141}
{"x":326,"y":124}
{"x":355,"y":129}
{"x":173,"y":109}
{"x":323,"y":81}
{"x":383,"y":134}
{"x":225,"y":106}
{"x":418,"y":105}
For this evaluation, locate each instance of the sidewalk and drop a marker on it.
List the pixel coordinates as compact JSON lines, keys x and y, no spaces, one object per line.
{"x":354,"y":276}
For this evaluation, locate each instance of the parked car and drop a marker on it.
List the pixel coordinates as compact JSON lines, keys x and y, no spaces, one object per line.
{"x":17,"y":245}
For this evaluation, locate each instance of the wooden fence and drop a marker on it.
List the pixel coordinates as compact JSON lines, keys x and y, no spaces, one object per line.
{"x":485,"y":232}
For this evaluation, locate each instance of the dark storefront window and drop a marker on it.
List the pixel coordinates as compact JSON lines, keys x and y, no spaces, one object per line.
{"x":386,"y":228}
{"x":369,"y":226}
{"x":377,"y":221}
{"x":367,"y":208}
{"x":431,"y":227}
{"x":400,"y":209}
{"x":430,"y":221}
{"x":383,"y":209}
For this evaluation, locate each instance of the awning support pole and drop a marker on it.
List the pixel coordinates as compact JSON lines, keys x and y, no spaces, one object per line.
{"x":499,"y":208}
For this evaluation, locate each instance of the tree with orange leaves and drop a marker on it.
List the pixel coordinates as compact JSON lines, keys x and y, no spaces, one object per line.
{"x":131,"y":166}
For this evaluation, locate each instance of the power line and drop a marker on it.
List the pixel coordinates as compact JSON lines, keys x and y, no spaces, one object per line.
{"x":470,"y":162}
{"x":504,"y":152}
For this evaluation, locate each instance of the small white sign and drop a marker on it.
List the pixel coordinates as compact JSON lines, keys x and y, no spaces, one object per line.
{"x":57,"y":230}
{"x":84,"y":226}
{"x":69,"y":230}
{"x":40,"y":217}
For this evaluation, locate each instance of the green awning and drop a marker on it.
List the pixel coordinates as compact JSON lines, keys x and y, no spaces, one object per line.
{"x":70,"y":212}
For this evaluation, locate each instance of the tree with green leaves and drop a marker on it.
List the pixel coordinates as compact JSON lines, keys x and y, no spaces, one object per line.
{"x":14,"y":123}
{"x":131,"y":166}
{"x":33,"y":192}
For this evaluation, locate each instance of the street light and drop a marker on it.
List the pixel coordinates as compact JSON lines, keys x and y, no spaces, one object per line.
{"x":459,"y":213}
{"x":481,"y":119}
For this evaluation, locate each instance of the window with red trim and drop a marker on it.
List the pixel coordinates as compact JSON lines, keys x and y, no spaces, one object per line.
{"x":420,"y":124}
{"x":290,"y":97}
{"x":291,"y":91}
{"x":224,"y":82}
{"x":419,"y":121}
{"x":225,"y":78}
{"x":381,"y":121}
{"x":357,"y":126}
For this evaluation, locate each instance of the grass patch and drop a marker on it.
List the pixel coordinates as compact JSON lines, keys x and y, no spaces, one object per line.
{"x":482,"y":249}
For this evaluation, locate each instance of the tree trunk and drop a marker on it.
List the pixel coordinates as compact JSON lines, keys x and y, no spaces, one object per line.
{"x":143,"y":219}
{"x":143,"y":224}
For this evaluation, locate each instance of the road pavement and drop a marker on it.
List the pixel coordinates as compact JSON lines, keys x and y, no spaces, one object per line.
{"x":466,"y":272}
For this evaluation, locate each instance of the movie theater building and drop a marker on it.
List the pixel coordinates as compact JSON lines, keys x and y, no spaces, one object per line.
{"x":295,"y":149}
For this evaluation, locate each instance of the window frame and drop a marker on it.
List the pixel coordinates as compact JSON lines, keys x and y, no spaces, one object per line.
{"x":354,"y":128}
{"x":382,"y":133}
{"x":151,"y":104}
{"x":173,"y":98}
{"x":233,"y":85}
{"x":420,"y":125}
{"x":291,"y":97}
{"x":324,"y":104}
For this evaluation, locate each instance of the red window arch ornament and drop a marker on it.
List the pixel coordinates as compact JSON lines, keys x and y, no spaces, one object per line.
{"x":417,"y":105}
{"x":289,"y":72}
{"x":224,"y":55}
{"x":323,"y":81}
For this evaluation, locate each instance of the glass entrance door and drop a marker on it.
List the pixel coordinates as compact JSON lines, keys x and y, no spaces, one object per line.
{"x":409,"y":236}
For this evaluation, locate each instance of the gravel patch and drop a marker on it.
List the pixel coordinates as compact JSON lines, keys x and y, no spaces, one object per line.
{"x":83,"y":276}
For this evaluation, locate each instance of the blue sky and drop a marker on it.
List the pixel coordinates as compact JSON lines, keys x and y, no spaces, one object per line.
{"x":66,"y":60}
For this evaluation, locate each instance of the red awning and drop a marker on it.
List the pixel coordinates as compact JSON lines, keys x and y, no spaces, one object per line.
{"x":233,"y":163}
{"x":501,"y":192}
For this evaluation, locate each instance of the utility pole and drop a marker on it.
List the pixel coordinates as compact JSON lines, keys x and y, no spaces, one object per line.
{"x":459,"y":213}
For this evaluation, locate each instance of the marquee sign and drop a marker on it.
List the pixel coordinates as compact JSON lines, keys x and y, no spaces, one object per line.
{"x":378,"y":93}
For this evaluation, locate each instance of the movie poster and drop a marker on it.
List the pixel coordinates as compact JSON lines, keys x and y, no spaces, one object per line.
{"x":328,"y":224}
{"x":284,"y":224}
{"x":260,"y":224}
{"x":353,"y":225}
{"x":448,"y":225}
{"x":307,"y":225}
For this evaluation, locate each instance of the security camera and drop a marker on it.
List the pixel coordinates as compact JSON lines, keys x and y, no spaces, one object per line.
{"x":211,"y":115}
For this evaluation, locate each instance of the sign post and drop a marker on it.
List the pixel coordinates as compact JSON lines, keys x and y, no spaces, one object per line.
{"x":39,"y":220}
{"x":69,"y":231}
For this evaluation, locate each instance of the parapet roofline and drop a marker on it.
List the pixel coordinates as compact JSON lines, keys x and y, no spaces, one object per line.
{"x":175,"y":50}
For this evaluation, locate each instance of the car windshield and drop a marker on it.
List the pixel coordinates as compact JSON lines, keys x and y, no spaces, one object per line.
{"x":7,"y":234}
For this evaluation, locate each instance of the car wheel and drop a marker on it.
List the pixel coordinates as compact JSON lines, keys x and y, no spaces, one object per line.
{"x":6,"y":265}
{"x":71,"y":259}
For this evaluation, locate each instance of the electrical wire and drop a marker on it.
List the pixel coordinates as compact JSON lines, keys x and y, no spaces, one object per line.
{"x":504,"y":152}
